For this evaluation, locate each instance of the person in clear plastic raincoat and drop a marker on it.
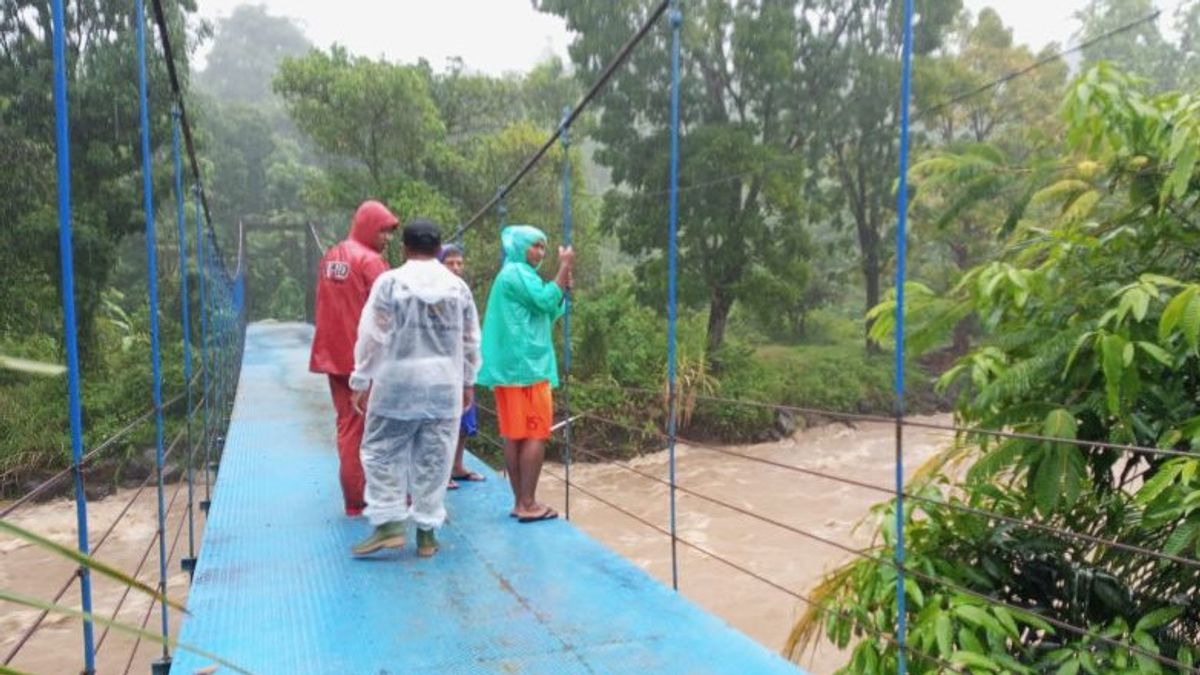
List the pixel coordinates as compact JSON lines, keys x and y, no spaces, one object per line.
{"x":519,"y":361}
{"x":418,"y":355}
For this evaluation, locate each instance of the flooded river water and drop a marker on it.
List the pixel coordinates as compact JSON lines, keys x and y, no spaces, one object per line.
{"x":823,"y":507}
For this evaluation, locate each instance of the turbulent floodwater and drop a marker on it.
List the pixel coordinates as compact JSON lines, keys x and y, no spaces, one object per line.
{"x":58,"y":646}
{"x":864,"y":452}
{"x":823,"y":507}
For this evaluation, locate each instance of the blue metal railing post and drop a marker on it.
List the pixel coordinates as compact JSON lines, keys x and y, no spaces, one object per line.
{"x":901,"y":260}
{"x":565,"y":139}
{"x":502,"y":215}
{"x":70,"y":336}
{"x":155,"y":354}
{"x":676,"y":18}
{"x":189,"y":563}
{"x":205,"y":359}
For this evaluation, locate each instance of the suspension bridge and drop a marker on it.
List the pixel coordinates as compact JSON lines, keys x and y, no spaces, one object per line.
{"x":273,"y":587}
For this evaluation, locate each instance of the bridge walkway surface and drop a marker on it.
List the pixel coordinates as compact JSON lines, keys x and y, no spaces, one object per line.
{"x":276,"y":590}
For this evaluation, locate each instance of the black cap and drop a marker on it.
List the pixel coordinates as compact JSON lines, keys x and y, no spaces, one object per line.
{"x":422,"y":236}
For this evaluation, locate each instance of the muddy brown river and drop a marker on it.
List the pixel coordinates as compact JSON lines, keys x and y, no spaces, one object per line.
{"x":817,"y":505}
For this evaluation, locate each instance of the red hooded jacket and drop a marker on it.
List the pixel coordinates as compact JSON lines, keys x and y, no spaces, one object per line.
{"x":343,"y":284}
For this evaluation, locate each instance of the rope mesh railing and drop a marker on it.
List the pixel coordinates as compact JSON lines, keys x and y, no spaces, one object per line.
{"x":218,"y":345}
{"x":41,"y":617}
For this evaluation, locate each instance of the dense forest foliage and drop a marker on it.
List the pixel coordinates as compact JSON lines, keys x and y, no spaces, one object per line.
{"x":1052,"y":257}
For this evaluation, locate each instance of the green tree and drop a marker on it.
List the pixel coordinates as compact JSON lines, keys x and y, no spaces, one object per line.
{"x":856,"y":129}
{"x":737,"y":86}
{"x":1092,"y":333}
{"x":106,"y":169}
{"x":376,"y":121}
{"x":247,"y":48}
{"x":981,"y":148}
{"x":1142,"y":50}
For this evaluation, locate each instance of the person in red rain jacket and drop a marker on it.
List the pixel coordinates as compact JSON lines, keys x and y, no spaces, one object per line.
{"x":344,"y":281}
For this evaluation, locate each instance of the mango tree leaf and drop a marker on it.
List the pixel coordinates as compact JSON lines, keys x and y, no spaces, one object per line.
{"x":1158,"y":617}
{"x":1174,"y":312}
{"x":1176,"y":184}
{"x":1157,"y":353}
{"x":944,"y":629}
{"x":1160,"y":481}
{"x":1060,"y":423}
{"x":1181,"y":537}
{"x":974,"y":660}
{"x":1071,"y":667}
{"x":1112,"y":350}
{"x":978,"y":617}
{"x":1191,"y":323}
{"x":1007,"y":621}
{"x":1047,"y":481}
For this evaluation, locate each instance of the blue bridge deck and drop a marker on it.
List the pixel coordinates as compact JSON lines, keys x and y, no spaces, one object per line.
{"x":276,"y":590}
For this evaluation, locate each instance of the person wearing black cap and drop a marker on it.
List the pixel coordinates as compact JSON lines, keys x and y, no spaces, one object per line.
{"x":418,"y":355}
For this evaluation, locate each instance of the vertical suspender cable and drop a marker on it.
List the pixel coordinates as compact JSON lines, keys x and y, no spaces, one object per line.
{"x":901,"y":259}
{"x":565,"y":139}
{"x":205,"y":358}
{"x":152,"y":283}
{"x":189,"y":562}
{"x":672,"y":273}
{"x":70,"y":337}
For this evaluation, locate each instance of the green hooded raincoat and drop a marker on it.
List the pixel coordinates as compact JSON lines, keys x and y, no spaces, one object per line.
{"x":518,"y":345}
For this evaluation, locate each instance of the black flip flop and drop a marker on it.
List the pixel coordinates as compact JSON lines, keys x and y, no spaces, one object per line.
{"x":548,"y":514}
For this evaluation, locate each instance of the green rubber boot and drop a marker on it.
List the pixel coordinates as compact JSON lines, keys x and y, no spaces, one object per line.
{"x":387,"y":535}
{"x":427,"y":543}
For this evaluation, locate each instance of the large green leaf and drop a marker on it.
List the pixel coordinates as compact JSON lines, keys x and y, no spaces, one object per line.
{"x":1156,"y":618}
{"x":1157,"y":353}
{"x":87,"y":561}
{"x":1174,"y":312}
{"x":975,"y":660}
{"x":18,"y":599}
{"x":1060,"y":423}
{"x":1191,"y":323}
{"x":944,"y":629}
{"x":32,"y":367}
{"x":1112,"y":354}
{"x":1159,"y":482}
{"x":1177,"y":182}
{"x":1181,"y":537}
{"x":1058,"y":478}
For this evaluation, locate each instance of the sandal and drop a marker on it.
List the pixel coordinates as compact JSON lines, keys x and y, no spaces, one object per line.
{"x":470,"y":477}
{"x":548,"y":514}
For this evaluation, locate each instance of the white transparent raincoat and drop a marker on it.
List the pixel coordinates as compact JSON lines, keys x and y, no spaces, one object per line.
{"x":417,"y":349}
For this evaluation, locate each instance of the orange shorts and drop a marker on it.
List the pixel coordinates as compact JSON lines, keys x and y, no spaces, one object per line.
{"x":525,"y":412}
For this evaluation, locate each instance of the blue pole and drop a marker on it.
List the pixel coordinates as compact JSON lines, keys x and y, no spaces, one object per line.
{"x":205,"y":359}
{"x":901,"y":260}
{"x":672,"y":274}
{"x":188,"y":563}
{"x":152,"y":281}
{"x":565,"y":139}
{"x":70,"y":336}
{"x":502,"y":215}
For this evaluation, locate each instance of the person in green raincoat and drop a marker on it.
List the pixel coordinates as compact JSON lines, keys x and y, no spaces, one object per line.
{"x":519,"y":363}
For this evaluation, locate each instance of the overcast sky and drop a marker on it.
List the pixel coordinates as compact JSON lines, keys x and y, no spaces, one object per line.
{"x":496,"y":36}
